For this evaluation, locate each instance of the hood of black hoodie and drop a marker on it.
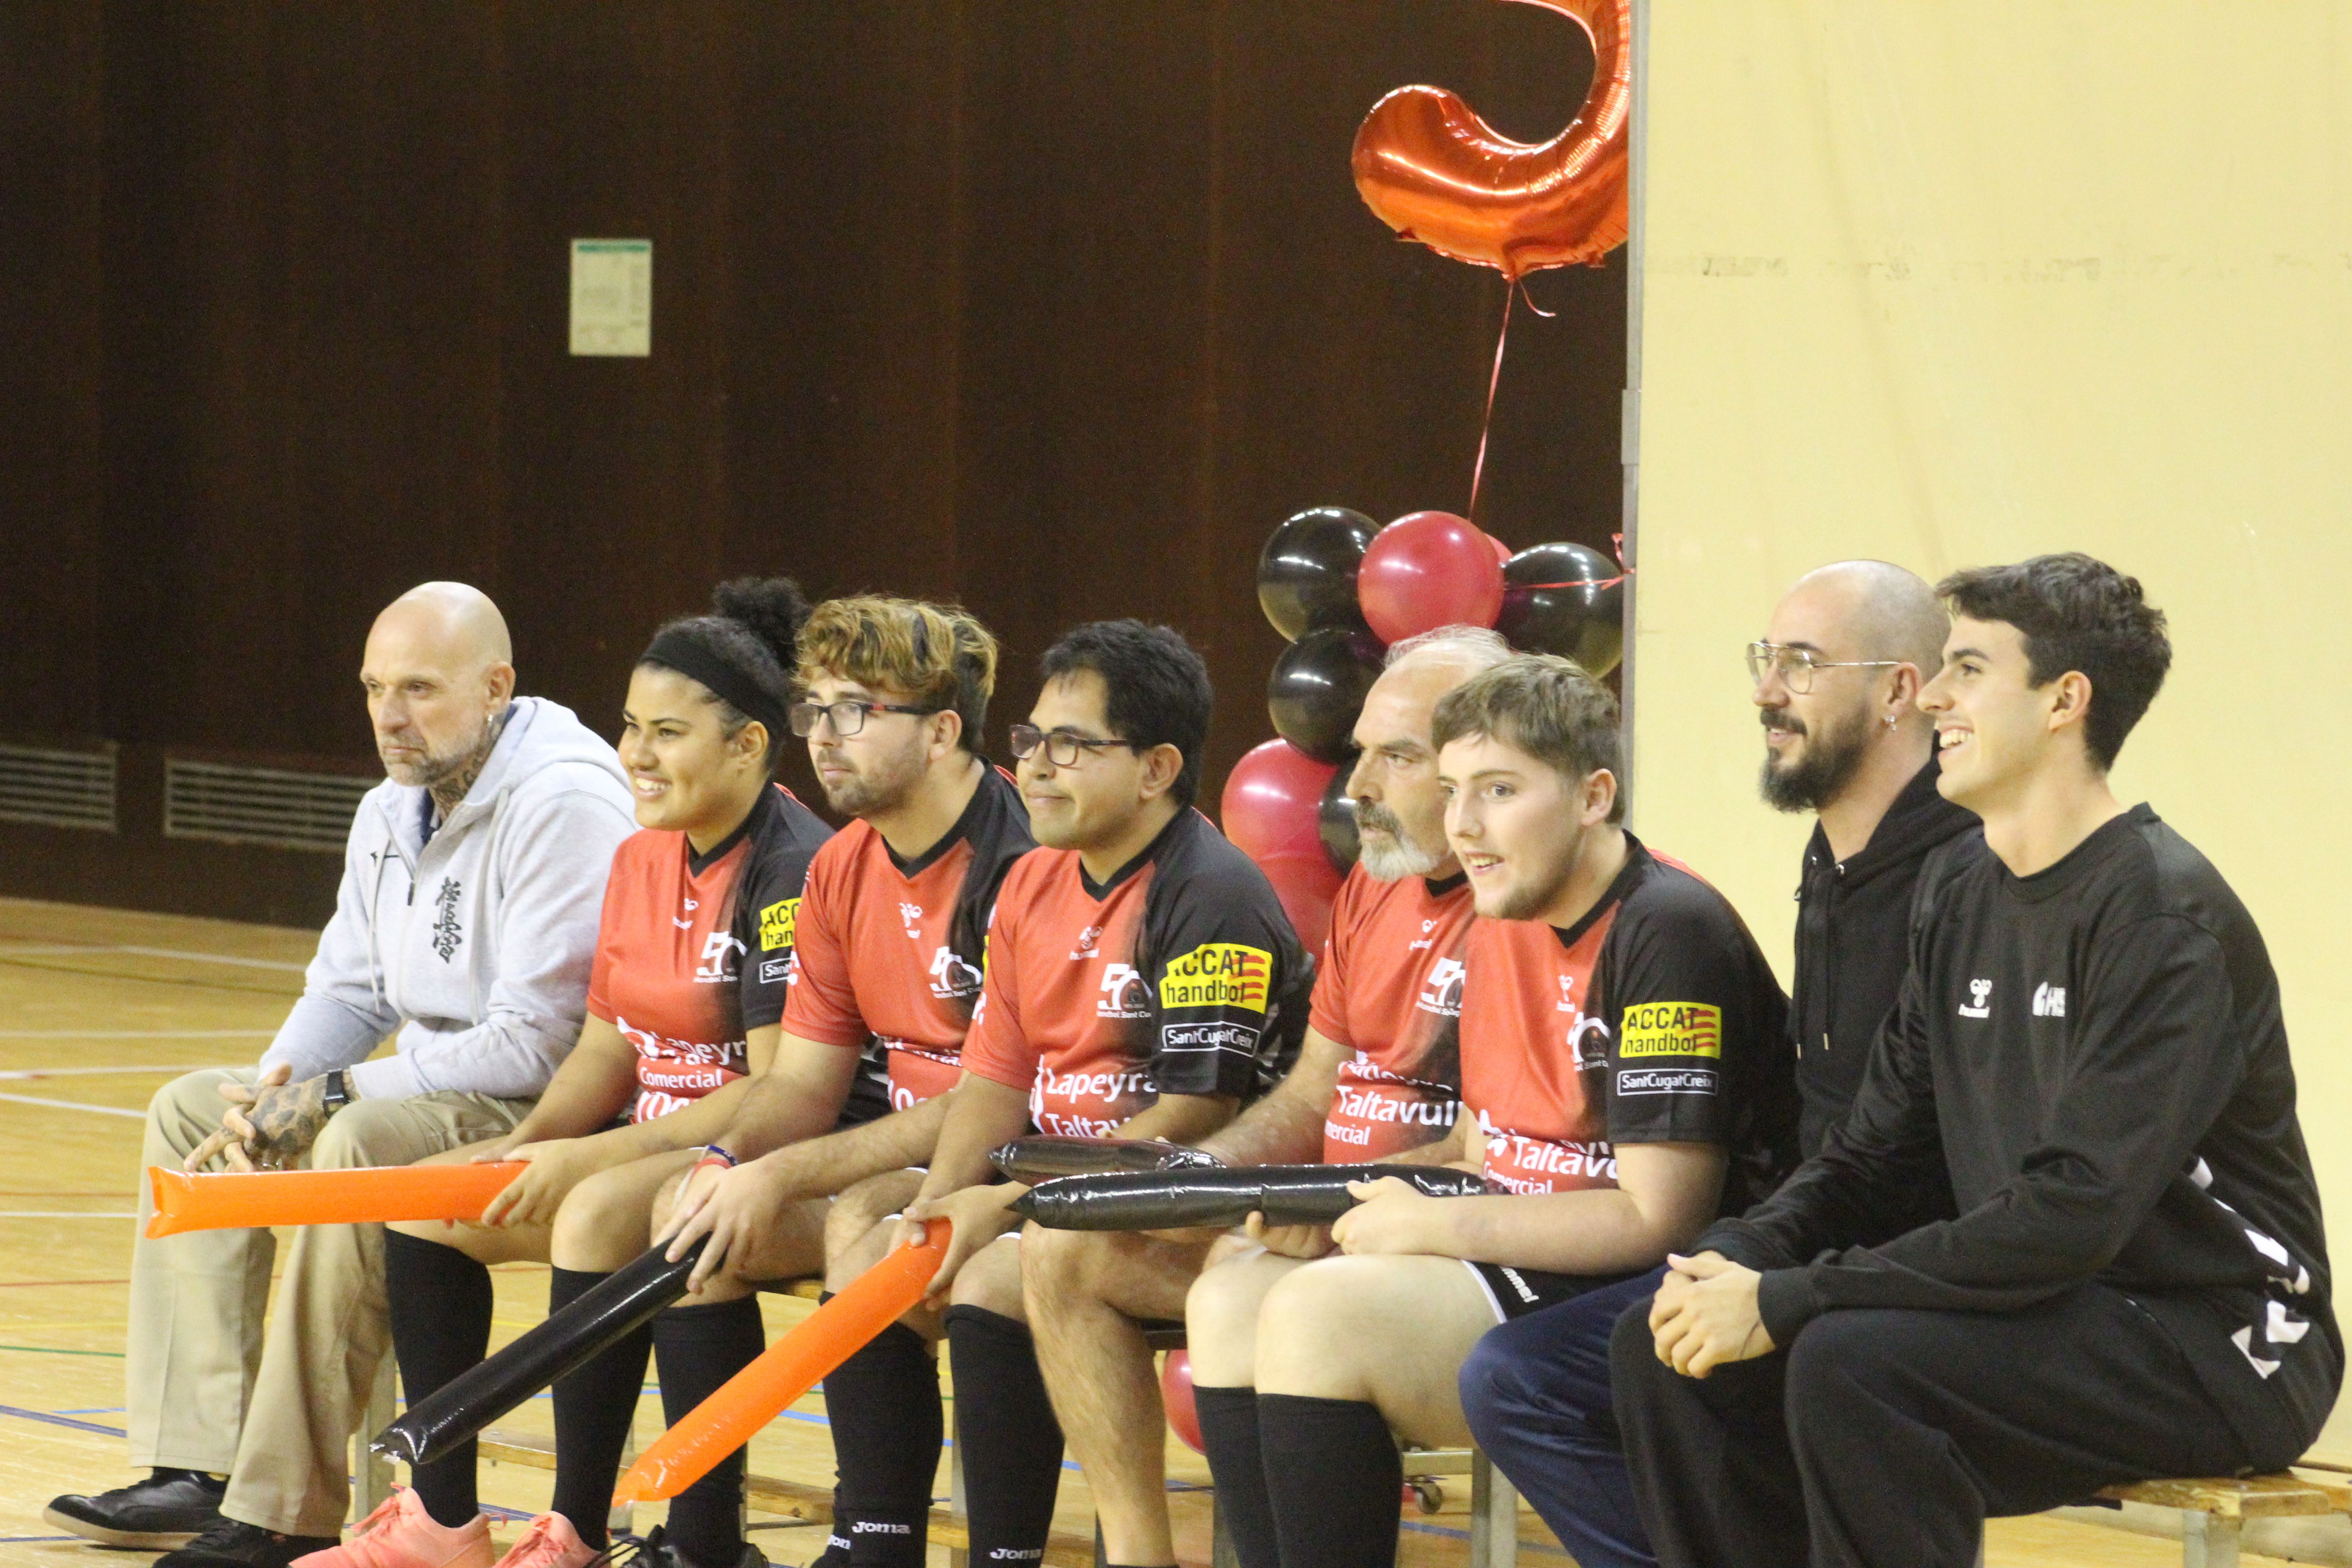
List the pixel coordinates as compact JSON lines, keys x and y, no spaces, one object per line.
{"x":1919,"y":819}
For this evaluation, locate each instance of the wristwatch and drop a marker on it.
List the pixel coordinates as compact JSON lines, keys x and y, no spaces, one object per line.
{"x":336,"y":1095}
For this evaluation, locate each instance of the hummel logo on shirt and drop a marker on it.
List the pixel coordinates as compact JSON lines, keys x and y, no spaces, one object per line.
{"x":1977,"y":1005}
{"x":2049,"y":1001}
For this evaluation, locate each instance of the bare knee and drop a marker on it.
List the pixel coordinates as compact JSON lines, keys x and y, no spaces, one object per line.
{"x":1220,"y":1314}
{"x":664,"y":1205}
{"x":992,"y":1280}
{"x":605,"y":1222}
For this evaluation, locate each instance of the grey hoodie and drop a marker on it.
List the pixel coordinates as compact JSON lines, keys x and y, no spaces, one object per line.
{"x":475,"y":945}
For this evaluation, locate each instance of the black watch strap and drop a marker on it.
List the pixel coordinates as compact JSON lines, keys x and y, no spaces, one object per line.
{"x":337,"y":1094}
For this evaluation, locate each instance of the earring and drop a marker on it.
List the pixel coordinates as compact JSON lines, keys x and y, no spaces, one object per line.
{"x":1890,"y":721}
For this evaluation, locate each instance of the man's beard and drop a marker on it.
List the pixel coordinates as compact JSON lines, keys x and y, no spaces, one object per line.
{"x":1830,"y":761}
{"x":1393,"y":856}
{"x":883,"y":788}
{"x":434,"y":769}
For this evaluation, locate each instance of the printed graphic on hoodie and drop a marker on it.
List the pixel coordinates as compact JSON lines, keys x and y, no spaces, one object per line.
{"x":1177,"y":976}
{"x":1391,"y":990}
{"x":471,"y":943}
{"x":688,"y":958}
{"x":891,"y":950}
{"x":1653,"y":1020}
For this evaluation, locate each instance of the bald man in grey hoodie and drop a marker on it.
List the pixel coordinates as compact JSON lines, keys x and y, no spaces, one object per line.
{"x":472,"y":886}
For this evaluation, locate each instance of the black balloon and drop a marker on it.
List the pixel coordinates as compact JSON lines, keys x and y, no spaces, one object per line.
{"x":1334,"y":823}
{"x":1042,"y":1156}
{"x":1286,"y":1194}
{"x":1586,"y":624}
{"x":1318,"y":689}
{"x":461,"y":1407}
{"x":1306,"y":573}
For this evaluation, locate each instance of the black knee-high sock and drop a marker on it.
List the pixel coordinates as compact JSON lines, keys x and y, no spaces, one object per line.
{"x":695,"y":1349}
{"x":1334,"y":1477}
{"x":1011,"y":1444}
{"x":884,"y":1404}
{"x":595,"y":1403}
{"x":1228,"y":1418}
{"x":440,"y":1302}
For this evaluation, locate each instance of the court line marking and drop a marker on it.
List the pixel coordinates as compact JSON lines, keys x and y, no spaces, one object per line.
{"x":52,"y":1349}
{"x":88,"y":1072}
{"x":63,"y":950}
{"x":63,"y":1421}
{"x":72,"y":1105}
{"x":30,"y":1284}
{"x":134,"y":1033}
{"x":65,"y":1214}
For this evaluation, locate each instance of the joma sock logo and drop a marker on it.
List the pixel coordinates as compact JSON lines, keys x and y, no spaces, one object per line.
{"x":446,"y":933}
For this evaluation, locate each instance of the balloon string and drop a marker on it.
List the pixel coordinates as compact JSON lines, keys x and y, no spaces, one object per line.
{"x":1493,"y":379}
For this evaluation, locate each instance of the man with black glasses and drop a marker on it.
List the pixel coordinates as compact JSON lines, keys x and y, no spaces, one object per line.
{"x":1141,"y":981}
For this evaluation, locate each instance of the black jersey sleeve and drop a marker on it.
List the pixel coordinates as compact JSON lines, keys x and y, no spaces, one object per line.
{"x":768,"y":906}
{"x":1693,"y":1014}
{"x":1226,"y":974}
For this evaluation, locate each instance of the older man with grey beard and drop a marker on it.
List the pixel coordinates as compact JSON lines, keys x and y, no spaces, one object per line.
{"x":472,"y":885}
{"x":1376,"y":1078}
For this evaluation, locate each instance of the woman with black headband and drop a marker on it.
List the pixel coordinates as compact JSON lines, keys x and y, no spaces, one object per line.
{"x":683,"y":1006}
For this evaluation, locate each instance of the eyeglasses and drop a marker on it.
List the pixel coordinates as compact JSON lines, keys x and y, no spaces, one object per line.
{"x":848,"y":717}
{"x":1062,"y":748}
{"x":1795,"y":666}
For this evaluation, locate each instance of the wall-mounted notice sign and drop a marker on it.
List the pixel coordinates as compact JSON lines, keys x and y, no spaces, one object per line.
{"x":613,"y":297}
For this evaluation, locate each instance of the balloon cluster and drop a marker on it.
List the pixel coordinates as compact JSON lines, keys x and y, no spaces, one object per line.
{"x":1342,"y":589}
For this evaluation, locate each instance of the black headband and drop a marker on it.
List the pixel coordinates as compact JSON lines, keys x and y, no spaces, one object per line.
{"x":682,"y":652}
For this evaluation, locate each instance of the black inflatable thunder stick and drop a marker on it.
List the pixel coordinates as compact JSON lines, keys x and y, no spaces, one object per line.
{"x":1044,"y":1156}
{"x":1177,"y":1200}
{"x":460,"y":1408}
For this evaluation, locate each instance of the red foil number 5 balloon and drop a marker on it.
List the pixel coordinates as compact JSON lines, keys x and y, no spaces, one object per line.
{"x":1433,"y":171}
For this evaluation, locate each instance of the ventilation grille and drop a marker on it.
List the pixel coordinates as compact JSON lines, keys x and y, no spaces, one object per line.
{"x":57,"y":789}
{"x":276,"y":806}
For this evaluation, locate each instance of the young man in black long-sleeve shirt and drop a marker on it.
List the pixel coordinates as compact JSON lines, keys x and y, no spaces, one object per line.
{"x":2089,"y":1034}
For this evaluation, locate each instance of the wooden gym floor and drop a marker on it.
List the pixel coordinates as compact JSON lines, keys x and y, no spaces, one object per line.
{"x":99,"y":1008}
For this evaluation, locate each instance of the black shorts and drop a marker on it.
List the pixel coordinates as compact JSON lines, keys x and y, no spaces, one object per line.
{"x":1516,"y":1292}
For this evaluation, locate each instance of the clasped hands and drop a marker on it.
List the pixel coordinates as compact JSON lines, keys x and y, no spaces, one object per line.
{"x":268,"y":1127}
{"x":1705,"y":1315}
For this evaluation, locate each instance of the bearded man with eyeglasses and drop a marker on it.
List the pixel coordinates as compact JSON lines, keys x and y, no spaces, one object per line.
{"x":1837,"y":677}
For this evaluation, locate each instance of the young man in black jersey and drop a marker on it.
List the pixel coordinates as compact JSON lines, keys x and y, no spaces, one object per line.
{"x":1625,"y":1081}
{"x":2136,"y":1284}
{"x":1836,"y":676}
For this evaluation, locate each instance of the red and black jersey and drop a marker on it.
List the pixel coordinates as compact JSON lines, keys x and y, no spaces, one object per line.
{"x":1179,"y":975}
{"x":891,"y":950}
{"x":1391,"y":991}
{"x":693,"y":949}
{"x":1655,"y":1019}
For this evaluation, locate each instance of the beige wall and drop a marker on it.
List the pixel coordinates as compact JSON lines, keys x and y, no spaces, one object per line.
{"x":1949,"y":285}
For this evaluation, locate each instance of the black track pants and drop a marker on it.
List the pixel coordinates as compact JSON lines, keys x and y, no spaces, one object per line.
{"x":1885,"y":1438}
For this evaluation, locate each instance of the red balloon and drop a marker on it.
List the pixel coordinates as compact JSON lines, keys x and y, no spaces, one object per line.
{"x":1426,"y":570}
{"x":1306,"y":884}
{"x":1273,"y":801}
{"x":1176,"y":1394}
{"x":1433,"y":171}
{"x":1502,"y":551}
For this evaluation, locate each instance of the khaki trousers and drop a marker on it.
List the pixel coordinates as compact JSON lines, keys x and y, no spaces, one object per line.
{"x":207,"y":1390}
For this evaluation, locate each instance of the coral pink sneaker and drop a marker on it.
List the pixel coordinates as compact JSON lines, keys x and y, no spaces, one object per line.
{"x":401,"y":1534}
{"x":550,"y":1542}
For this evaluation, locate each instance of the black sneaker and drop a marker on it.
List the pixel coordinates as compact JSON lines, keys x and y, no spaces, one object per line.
{"x":656,"y":1552}
{"x":232,"y":1543}
{"x":170,"y":1508}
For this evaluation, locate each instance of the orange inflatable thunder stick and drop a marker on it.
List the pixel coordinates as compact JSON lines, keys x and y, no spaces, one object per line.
{"x":217,"y":1201}
{"x":790,"y":1368}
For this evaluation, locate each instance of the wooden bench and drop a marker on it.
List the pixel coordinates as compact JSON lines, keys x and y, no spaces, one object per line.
{"x":2213,"y":1512}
